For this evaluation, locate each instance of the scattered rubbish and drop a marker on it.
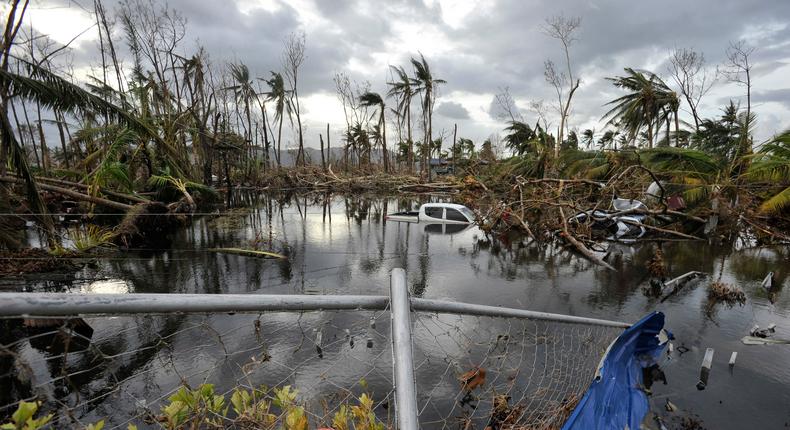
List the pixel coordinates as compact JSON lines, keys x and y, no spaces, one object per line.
{"x":682,"y":349}
{"x":732,"y":358}
{"x":617,"y":226}
{"x":319,"y":336}
{"x":660,"y":423}
{"x":763,"y":333}
{"x":753,"y":340}
{"x":768,"y":282}
{"x":670,"y":407}
{"x":370,"y":342}
{"x":246,"y":252}
{"x":676,"y":203}
{"x":670,"y":348}
{"x":730,"y":294}
{"x":705,"y":369}
{"x":473,"y":378}
{"x":372,"y":322}
{"x":621,"y":205}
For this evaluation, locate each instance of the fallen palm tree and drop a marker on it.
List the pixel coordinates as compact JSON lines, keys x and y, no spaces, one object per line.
{"x":73,"y":194}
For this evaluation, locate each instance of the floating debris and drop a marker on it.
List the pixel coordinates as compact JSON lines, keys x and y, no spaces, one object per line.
{"x":247,"y":252}
{"x":732,"y":358}
{"x":763,"y":333}
{"x":768,"y":282}
{"x":753,"y":340}
{"x":705,"y":369}
{"x":670,"y":407}
{"x":681,"y":281}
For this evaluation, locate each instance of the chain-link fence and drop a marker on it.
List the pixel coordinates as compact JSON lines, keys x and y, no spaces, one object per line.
{"x":473,"y":366}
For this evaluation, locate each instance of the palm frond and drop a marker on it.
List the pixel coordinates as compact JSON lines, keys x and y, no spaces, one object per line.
{"x":777,"y":203}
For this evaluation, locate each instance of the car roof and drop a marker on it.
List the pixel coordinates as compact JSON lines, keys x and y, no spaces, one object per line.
{"x":445,"y":205}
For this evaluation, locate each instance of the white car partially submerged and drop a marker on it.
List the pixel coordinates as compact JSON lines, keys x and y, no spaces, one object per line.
{"x":436,"y":213}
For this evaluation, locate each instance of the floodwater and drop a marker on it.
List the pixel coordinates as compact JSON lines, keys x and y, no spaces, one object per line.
{"x":342,"y":245}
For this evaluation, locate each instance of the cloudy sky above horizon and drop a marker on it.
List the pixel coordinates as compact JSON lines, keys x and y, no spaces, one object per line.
{"x":478,"y":47}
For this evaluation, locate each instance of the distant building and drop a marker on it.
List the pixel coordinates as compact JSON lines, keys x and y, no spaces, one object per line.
{"x":440,"y":166}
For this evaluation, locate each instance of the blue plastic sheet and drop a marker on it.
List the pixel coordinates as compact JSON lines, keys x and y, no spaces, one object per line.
{"x":616,"y":399}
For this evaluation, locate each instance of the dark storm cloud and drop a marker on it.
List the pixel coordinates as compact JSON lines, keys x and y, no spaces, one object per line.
{"x":452,"y":110}
{"x":781,"y":96}
{"x":498,"y":44}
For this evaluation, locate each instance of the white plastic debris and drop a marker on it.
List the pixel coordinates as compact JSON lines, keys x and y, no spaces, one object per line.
{"x":768,"y":282}
{"x":705,"y":369}
{"x":732,"y":358}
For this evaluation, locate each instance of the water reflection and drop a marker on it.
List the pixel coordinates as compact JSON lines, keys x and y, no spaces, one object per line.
{"x":343,"y":245}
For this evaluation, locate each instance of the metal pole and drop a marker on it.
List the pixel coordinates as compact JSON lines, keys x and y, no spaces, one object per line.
{"x":66,"y":304}
{"x":496,"y":311}
{"x":405,"y":391}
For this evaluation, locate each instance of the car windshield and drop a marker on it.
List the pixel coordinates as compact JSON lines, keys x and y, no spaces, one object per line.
{"x":468,"y":212}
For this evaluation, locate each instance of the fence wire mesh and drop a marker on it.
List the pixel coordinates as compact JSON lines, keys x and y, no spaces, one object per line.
{"x":124,"y":369}
{"x":472,"y":372}
{"x":502,"y":373}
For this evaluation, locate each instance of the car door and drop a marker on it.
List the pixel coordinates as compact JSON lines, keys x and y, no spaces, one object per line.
{"x":455,"y":216}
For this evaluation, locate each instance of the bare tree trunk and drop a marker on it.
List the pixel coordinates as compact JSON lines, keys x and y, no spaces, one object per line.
{"x":62,"y":135}
{"x":30,"y":132}
{"x":384,"y":141}
{"x":408,"y":133}
{"x":279,"y":141}
{"x":73,"y":194}
{"x":42,"y":141}
{"x":21,"y":136}
{"x":328,"y":147}
{"x":323,"y":160}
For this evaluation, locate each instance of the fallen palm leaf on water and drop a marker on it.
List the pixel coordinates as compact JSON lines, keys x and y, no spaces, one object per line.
{"x":247,"y":252}
{"x":754,"y":340}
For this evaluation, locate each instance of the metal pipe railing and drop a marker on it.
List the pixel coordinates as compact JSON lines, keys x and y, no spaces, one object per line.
{"x":405,"y":384}
{"x":68,"y":304}
{"x":441,"y":306}
{"x":72,"y":304}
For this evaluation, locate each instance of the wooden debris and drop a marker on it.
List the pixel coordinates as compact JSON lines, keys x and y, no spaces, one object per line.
{"x":247,"y":252}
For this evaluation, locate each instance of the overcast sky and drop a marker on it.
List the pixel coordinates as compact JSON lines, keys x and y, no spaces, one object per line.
{"x":478,"y":47}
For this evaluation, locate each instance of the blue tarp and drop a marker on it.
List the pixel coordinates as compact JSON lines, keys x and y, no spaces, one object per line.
{"x":615,"y":399}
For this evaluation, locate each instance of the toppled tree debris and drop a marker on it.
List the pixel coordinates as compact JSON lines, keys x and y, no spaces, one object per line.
{"x":729,"y":294}
{"x":148,"y":226}
{"x":32,"y":260}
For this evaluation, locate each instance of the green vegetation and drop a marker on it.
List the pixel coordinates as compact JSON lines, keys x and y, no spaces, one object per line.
{"x":172,"y":127}
{"x":244,"y":408}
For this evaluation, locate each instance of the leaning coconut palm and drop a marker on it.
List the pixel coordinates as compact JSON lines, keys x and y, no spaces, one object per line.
{"x":649,"y":97}
{"x":374,"y":99}
{"x":282,"y":107}
{"x":403,"y":91}
{"x":772,"y":164}
{"x":520,"y":138}
{"x":699,"y":174}
{"x":244,"y":93}
{"x":426,"y":85}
